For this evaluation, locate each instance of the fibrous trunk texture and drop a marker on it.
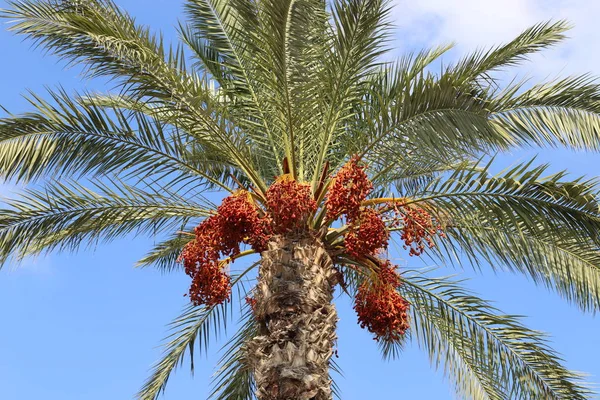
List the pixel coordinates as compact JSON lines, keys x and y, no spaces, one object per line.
{"x":290,"y":356}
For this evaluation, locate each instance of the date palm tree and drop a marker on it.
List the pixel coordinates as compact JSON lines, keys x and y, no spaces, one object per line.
{"x":321,"y":153}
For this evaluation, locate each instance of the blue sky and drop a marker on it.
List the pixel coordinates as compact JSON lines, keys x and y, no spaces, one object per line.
{"x":87,"y":326}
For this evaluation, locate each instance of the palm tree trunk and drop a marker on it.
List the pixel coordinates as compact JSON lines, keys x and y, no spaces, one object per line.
{"x":290,"y":356}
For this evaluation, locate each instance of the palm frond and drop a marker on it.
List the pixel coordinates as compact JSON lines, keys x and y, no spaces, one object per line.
{"x":220,"y":34}
{"x":288,"y":46}
{"x":562,"y":112}
{"x":581,"y":92}
{"x":554,"y":126}
{"x":233,"y":379}
{"x":108,"y":42}
{"x":545,"y":228}
{"x":487,"y":354}
{"x":567,"y":265}
{"x":414,"y":173}
{"x":165,"y":253}
{"x":73,"y":136}
{"x":160,"y":113}
{"x":532,"y":40}
{"x":521,"y":195}
{"x":422,"y":117}
{"x":203,"y":159}
{"x":215,"y":33}
{"x":449,"y":136}
{"x":196,"y":325}
{"x":410,"y":66}
{"x":359,"y":33}
{"x":274,"y":32}
{"x":64,"y":216}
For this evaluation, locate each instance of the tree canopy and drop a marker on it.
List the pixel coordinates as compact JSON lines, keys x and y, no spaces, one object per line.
{"x":259,"y":89}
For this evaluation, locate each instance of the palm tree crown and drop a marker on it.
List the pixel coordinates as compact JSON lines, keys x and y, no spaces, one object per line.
{"x":286,"y":109}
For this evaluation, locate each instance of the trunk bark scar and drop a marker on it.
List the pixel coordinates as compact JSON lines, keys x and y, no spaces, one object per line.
{"x":290,"y":356}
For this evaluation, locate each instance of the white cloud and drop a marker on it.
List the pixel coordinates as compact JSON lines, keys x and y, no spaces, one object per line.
{"x":473,"y":24}
{"x":468,"y":22}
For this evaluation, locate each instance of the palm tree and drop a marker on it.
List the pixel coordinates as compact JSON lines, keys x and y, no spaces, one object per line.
{"x":321,"y":153}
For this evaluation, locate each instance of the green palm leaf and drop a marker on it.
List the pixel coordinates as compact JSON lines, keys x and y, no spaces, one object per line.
{"x":565,"y":126}
{"x":164,"y":254}
{"x":488,"y":355}
{"x":233,"y":379}
{"x":195,"y":323}
{"x":65,"y":216}
{"x":75,"y":137}
{"x":109,"y":42}
{"x":360,"y":28}
{"x":521,"y":195}
{"x":217,"y":40}
{"x":193,"y":326}
{"x":566,"y":265}
{"x":532,"y":40}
